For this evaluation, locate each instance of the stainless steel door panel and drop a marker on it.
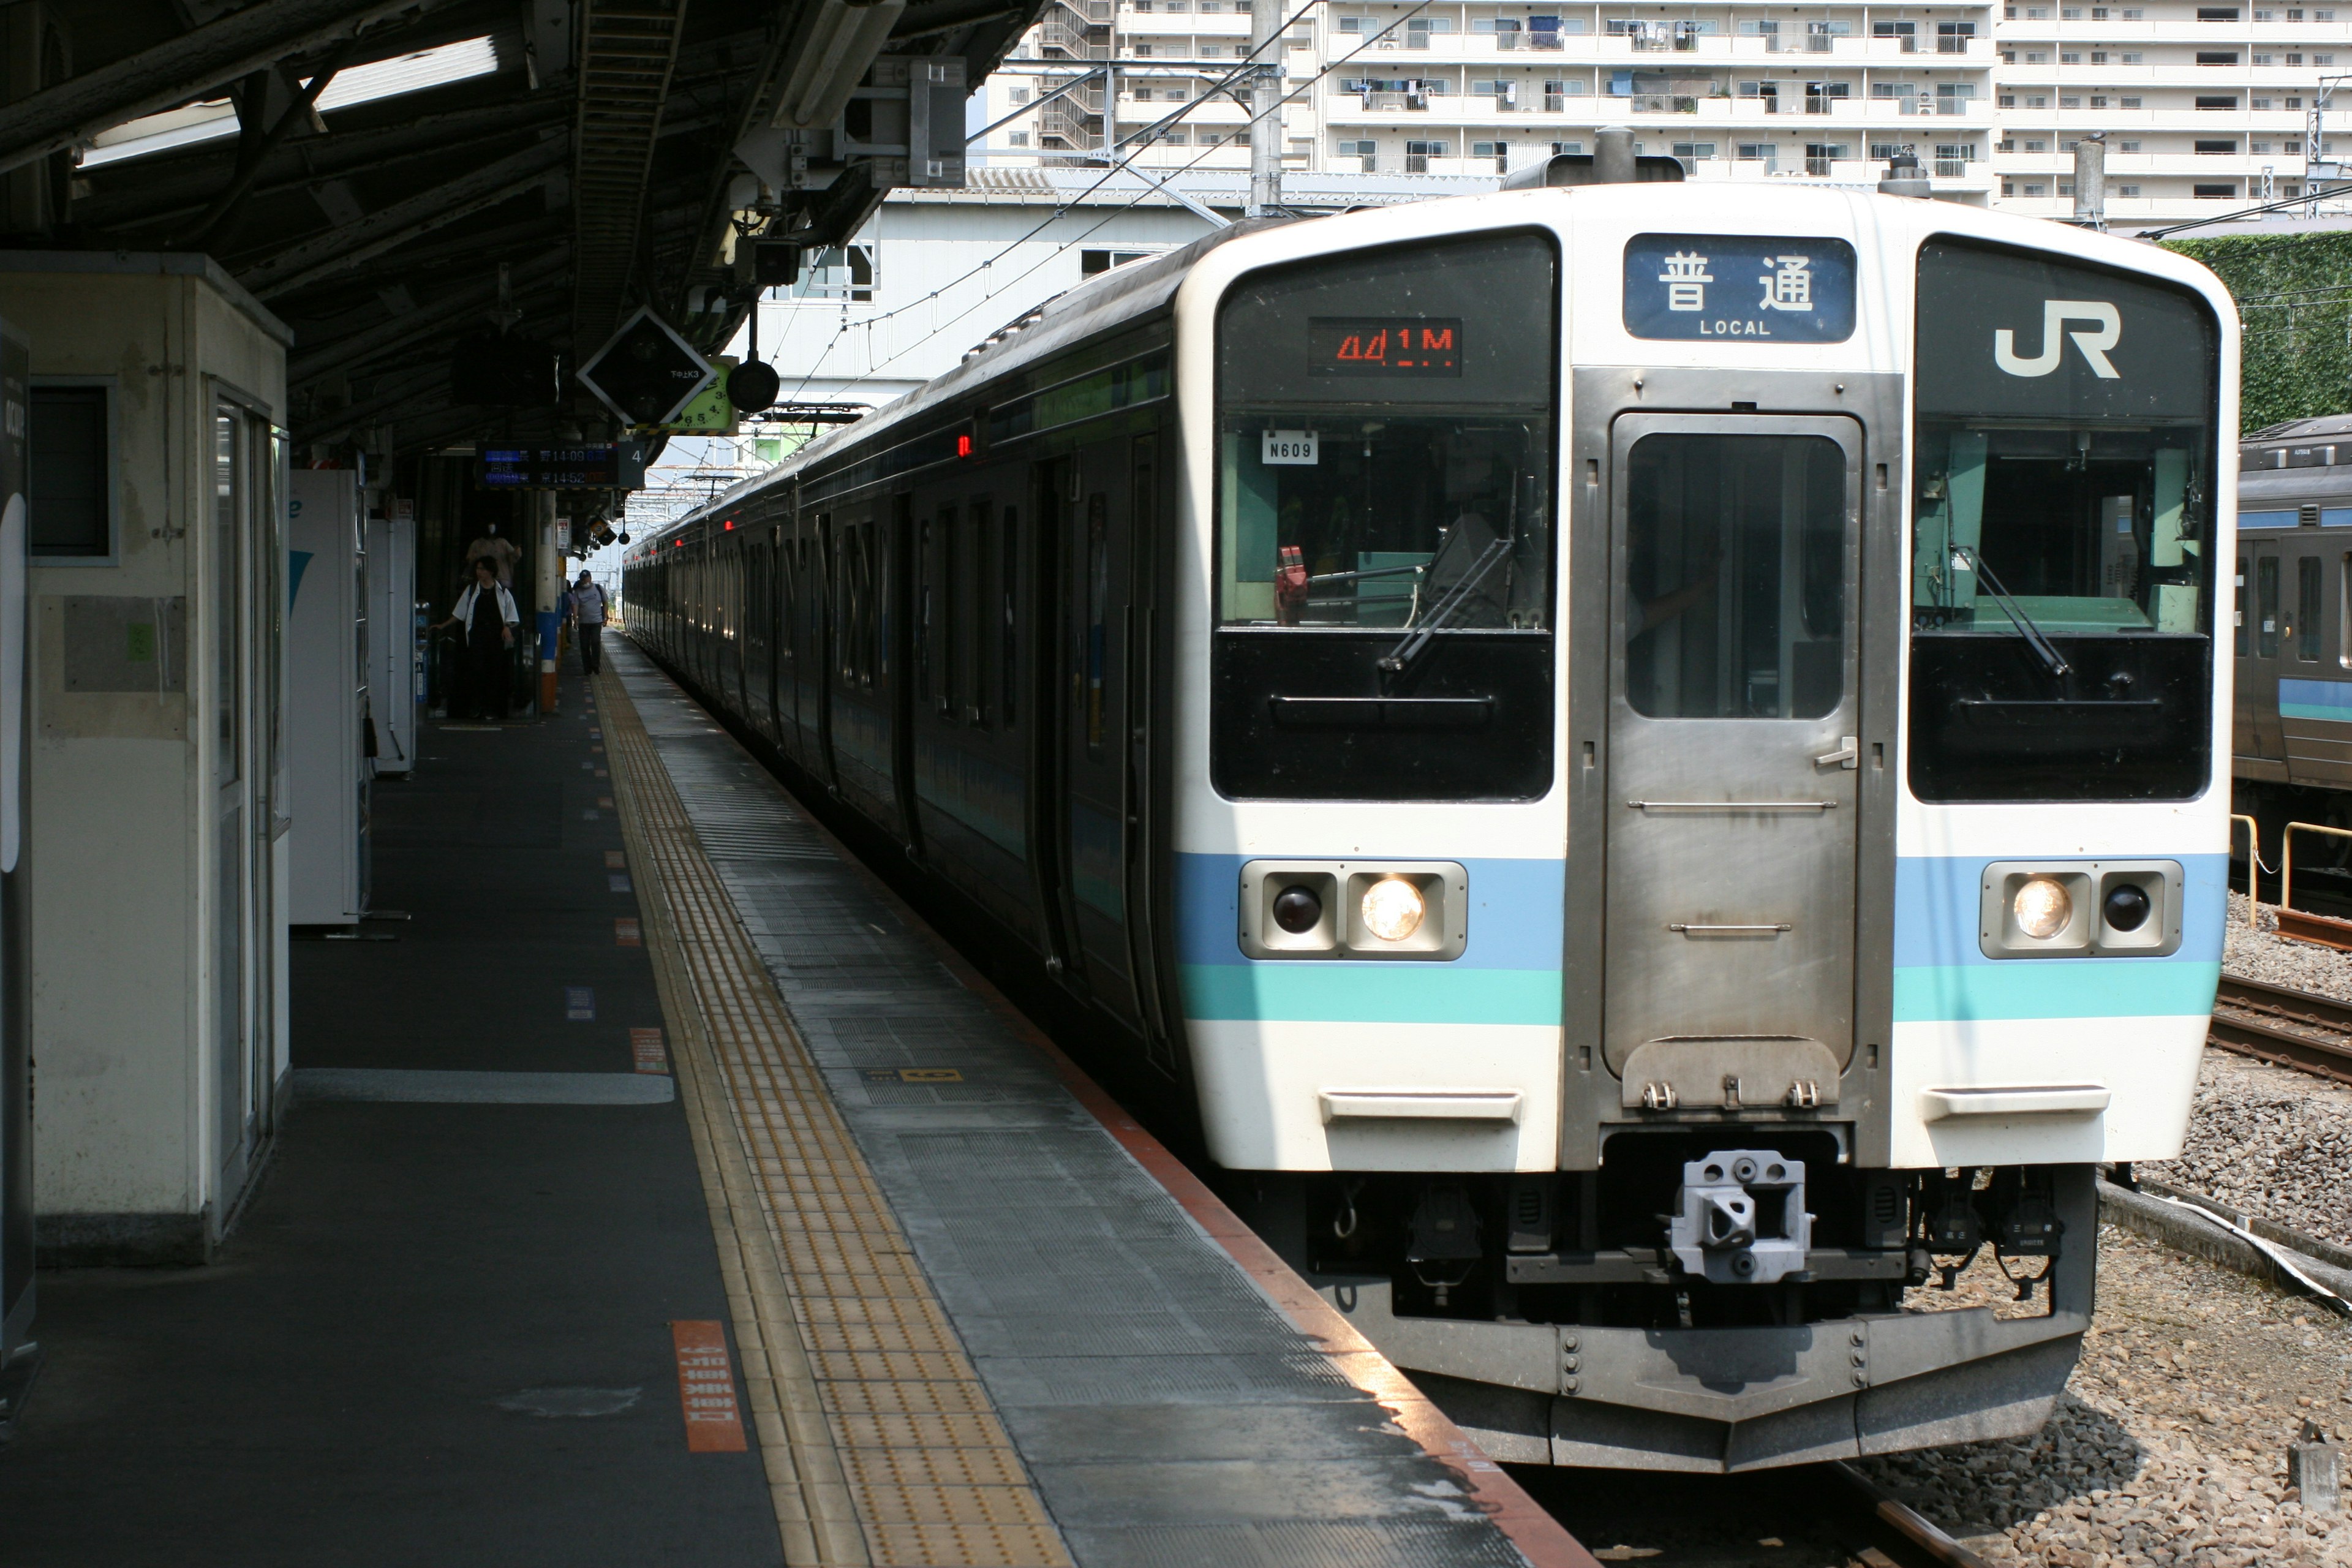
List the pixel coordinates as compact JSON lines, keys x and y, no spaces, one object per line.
{"x":1734,"y":698}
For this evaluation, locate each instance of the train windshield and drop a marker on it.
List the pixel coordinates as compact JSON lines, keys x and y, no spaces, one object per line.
{"x":1384,"y":442}
{"x":1385,"y":438}
{"x":2062,"y":578}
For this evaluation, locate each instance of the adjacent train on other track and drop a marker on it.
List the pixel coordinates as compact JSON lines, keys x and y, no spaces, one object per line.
{"x":1650,"y":760}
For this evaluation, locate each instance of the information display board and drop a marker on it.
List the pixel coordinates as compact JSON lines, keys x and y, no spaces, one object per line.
{"x":619,"y":465}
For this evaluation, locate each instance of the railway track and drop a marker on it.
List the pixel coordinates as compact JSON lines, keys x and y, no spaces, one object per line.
{"x":1806,"y":1516}
{"x":2278,"y":1024}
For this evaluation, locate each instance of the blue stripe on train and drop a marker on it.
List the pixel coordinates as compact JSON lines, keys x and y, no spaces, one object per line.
{"x":1941,"y":972}
{"x":1508,"y":972}
{"x":2328,"y":700}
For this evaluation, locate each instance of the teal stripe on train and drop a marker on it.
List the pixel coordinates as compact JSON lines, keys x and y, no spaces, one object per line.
{"x":1394,"y":993}
{"x":2057,"y":988}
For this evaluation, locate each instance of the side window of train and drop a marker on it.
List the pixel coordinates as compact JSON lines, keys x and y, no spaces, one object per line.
{"x":2306,"y":609}
{"x":971,"y":610}
{"x":1008,"y":629}
{"x":872,"y":661}
{"x":927,"y":576}
{"x":2062,"y":603}
{"x":2266,"y":607}
{"x":2239,"y":612}
{"x":950,"y":665}
{"x":1094,"y":656}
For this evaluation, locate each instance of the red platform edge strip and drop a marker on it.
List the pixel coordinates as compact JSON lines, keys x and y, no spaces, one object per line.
{"x":1542,"y":1540}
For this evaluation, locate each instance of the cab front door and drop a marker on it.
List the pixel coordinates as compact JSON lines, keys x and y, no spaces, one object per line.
{"x":1731,"y":802}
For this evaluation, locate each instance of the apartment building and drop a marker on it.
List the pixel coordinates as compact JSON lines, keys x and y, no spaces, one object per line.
{"x":2200,"y":103}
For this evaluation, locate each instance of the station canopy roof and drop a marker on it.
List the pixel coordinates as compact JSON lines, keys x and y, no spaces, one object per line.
{"x":477,"y":188}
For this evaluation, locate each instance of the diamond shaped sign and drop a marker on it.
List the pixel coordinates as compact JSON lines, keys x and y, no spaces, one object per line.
{"x":646,"y":373}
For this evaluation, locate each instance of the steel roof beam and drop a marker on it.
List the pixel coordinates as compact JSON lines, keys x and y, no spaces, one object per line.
{"x":628,"y":52}
{"x":346,"y":245}
{"x":541,"y":272}
{"x":167,"y":74}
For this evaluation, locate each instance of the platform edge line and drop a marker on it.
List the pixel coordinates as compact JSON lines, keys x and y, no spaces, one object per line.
{"x":1537,"y":1537}
{"x":735,"y":1201}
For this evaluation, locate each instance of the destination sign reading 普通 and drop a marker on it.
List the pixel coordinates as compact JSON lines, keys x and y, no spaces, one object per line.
{"x":1755,"y":288}
{"x":1404,"y":345}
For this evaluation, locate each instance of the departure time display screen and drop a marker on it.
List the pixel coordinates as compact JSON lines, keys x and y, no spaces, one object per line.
{"x":1388,"y":346}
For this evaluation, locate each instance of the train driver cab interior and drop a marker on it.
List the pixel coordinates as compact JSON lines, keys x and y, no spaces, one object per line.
{"x":2061,"y":579}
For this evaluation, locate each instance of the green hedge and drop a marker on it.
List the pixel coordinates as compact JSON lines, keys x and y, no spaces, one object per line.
{"x":2294,"y":299}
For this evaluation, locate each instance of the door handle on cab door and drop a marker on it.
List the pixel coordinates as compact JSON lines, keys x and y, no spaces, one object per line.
{"x":1847,"y":755}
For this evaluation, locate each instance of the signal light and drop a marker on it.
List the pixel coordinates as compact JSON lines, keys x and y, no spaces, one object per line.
{"x":730,"y":525}
{"x":964,"y":445}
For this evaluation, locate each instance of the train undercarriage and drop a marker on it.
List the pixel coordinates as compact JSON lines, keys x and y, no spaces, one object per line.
{"x":1717,"y":1298}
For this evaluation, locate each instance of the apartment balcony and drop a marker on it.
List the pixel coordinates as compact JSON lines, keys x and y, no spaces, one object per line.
{"x":1949,"y":177}
{"x":1704,"y":50}
{"x":2174,"y":76}
{"x":2180,"y":30}
{"x":2175,"y":166}
{"x":2270,"y":124}
{"x":1531,"y":115}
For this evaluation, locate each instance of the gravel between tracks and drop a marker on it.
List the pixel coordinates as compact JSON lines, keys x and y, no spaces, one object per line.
{"x":2168,"y":1448}
{"x":2270,"y":1140}
{"x":2255,"y":951}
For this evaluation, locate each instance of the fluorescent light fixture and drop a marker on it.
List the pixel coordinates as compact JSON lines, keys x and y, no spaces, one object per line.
{"x":437,"y":66}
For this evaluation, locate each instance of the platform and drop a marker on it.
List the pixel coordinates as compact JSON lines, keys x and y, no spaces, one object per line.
{"x":959,"y":1310}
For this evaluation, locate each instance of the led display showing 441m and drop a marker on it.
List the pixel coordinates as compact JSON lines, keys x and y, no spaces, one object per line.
{"x":1352,"y":345}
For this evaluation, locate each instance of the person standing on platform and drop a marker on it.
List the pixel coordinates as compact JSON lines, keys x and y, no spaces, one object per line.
{"x":502,"y":553}
{"x":487,"y":611}
{"x":588,"y":611}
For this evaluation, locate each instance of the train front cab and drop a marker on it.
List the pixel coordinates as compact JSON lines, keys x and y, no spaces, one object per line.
{"x":1626,"y":995}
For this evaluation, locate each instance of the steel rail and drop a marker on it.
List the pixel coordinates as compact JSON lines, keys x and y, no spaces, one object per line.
{"x":1901,"y":1532}
{"x":2293,"y":1028}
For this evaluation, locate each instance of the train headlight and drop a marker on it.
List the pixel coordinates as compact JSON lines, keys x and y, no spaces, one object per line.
{"x":2042,"y":908}
{"x":1392,"y":908}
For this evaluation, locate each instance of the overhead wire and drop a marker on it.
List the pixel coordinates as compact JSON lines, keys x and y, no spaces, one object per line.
{"x":1061,"y":208}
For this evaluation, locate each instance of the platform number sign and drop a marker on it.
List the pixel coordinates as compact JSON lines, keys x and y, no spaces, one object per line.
{"x":1750,"y":287}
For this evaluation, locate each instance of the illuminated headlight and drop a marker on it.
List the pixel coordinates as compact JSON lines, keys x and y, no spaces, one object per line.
{"x":1392,"y":908}
{"x":2042,"y":908}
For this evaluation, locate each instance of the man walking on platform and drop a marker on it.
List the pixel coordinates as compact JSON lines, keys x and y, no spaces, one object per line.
{"x":588,"y":614}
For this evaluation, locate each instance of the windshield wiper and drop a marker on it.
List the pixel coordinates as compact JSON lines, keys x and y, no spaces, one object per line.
{"x":1407,"y":653}
{"x":2044,"y":648}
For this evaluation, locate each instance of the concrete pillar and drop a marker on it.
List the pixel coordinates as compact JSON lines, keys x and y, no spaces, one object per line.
{"x":1265,"y":108}
{"x":550,"y":586}
{"x":2091,"y":180}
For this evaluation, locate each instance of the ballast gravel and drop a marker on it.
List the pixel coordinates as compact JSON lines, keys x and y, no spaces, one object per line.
{"x":2168,"y":1447}
{"x":2254,"y":950}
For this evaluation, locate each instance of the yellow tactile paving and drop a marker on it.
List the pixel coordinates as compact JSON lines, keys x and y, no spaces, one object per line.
{"x":879,"y":1443}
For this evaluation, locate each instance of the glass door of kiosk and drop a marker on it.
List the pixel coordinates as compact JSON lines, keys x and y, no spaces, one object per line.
{"x":1734,"y":709}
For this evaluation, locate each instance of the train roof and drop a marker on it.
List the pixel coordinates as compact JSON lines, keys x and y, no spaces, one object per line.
{"x":1100,"y":303}
{"x":2314,"y":428}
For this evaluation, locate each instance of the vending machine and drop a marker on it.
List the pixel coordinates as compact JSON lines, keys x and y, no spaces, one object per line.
{"x":393,"y":661}
{"x":325,"y":635}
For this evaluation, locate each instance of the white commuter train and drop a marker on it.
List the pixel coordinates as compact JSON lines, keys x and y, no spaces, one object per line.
{"x":1651,"y":757}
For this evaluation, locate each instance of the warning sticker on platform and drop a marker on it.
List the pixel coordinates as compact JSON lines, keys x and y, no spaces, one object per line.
{"x":646,"y":1045}
{"x":705,"y":1389}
